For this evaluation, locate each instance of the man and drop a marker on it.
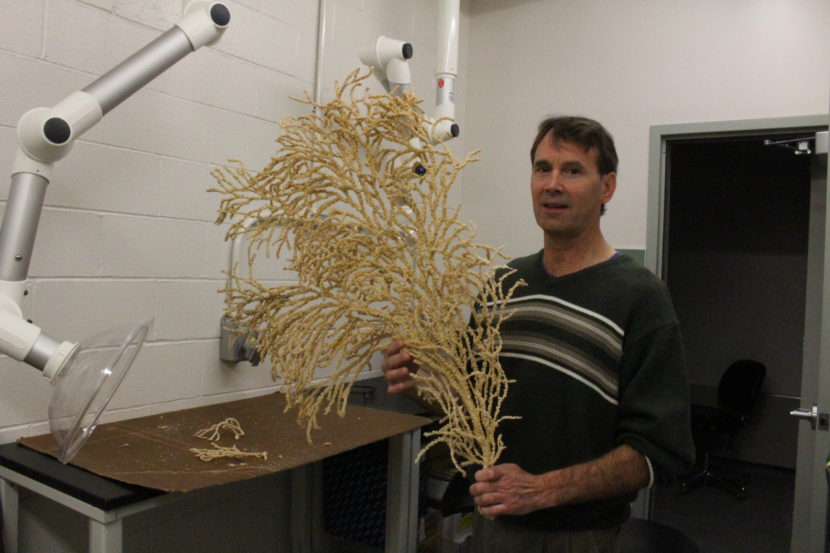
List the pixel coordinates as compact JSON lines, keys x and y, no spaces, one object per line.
{"x":594,"y":347}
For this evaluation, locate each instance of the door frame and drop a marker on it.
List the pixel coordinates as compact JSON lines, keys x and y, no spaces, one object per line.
{"x":809,"y":511}
{"x":659,"y":135}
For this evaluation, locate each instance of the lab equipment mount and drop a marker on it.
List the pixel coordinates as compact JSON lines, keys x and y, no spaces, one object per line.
{"x":80,"y":389}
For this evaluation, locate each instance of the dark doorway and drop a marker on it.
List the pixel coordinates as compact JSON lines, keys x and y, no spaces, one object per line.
{"x":736,"y":256}
{"x":735,"y":260}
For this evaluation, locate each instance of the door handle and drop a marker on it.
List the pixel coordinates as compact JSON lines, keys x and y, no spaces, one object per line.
{"x":818,"y":421}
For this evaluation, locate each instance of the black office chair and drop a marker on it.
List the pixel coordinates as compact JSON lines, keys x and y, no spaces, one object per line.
{"x":716,"y":427}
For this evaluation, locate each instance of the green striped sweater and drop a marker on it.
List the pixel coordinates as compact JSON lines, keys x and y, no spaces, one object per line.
{"x":598,"y":362}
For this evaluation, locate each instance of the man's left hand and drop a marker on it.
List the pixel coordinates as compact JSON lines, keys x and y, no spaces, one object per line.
{"x":507,"y":489}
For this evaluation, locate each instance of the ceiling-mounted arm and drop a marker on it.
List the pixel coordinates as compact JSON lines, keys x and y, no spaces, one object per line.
{"x":390,"y":60}
{"x":45,"y":135}
{"x":446,"y":70}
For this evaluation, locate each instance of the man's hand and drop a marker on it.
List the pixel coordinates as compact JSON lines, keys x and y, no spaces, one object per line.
{"x":507,"y":490}
{"x":398,"y":369}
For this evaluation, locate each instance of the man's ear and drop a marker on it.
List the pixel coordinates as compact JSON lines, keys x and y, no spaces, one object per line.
{"x":609,"y":186}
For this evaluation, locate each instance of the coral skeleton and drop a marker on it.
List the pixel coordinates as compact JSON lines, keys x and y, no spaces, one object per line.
{"x":220,"y":451}
{"x":357,"y":199}
{"x":213,"y":434}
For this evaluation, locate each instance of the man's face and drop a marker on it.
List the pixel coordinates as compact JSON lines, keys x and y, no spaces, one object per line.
{"x":567,"y":188}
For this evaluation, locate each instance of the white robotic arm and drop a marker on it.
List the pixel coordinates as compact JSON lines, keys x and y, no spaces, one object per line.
{"x":46,"y":135}
{"x":446,"y":70}
{"x":390,"y":60}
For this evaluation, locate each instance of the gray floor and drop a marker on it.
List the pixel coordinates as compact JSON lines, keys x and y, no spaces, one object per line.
{"x":719,"y":523}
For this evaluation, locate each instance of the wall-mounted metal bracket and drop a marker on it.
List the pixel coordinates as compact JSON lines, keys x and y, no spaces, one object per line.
{"x":237,"y":344}
{"x":806,"y":145}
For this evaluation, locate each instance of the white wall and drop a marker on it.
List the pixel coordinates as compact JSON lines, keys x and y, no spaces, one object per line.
{"x":630,"y":65}
{"x":127,"y":230}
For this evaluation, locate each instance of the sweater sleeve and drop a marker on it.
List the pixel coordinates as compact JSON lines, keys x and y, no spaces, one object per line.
{"x":654,"y":409}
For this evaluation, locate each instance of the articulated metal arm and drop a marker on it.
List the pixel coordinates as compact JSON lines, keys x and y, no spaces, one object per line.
{"x":390,"y":60}
{"x":446,"y":69}
{"x":46,"y":135}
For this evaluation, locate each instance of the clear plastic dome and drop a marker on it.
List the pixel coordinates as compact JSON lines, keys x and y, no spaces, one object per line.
{"x":85,"y":386}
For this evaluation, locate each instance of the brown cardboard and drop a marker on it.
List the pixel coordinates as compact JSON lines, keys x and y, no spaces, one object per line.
{"x":154,"y":451}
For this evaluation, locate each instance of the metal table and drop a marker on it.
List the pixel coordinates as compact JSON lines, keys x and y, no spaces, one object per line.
{"x":106,"y":503}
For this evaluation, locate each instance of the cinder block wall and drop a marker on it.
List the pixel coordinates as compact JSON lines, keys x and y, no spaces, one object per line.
{"x":127,"y":231}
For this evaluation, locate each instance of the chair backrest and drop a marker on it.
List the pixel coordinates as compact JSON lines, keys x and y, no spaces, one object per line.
{"x":740,"y":385}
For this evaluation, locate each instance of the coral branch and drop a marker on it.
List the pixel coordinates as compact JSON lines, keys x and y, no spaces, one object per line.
{"x":358,"y":196}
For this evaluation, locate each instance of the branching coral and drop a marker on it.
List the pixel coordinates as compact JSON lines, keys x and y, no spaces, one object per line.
{"x":214,"y":434}
{"x":358,"y":195}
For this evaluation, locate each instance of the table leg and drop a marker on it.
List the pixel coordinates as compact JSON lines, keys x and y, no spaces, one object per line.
{"x":402,"y":493}
{"x":106,"y":537}
{"x":10,"y":498}
{"x":301,"y":509}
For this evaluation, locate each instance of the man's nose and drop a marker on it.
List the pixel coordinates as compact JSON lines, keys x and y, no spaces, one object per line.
{"x":554,"y":181}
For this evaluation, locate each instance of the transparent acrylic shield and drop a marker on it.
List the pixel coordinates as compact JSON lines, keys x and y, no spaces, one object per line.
{"x":82,"y":390}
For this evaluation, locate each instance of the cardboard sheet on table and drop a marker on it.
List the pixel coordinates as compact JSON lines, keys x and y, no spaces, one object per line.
{"x":154,"y":451}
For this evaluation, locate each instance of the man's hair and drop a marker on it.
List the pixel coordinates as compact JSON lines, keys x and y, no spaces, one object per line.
{"x":584,"y":132}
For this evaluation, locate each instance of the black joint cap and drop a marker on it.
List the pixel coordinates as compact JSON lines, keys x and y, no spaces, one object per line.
{"x":455,"y":130}
{"x":420,"y":170}
{"x":56,"y":130}
{"x":220,"y":14}
{"x":406,"y":50}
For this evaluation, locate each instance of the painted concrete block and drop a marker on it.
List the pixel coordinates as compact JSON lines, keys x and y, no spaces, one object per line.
{"x":150,"y":247}
{"x":25,"y":393}
{"x":214,"y":78}
{"x":26,"y":35}
{"x":161,"y":373}
{"x":67,"y":244}
{"x":187,"y":309}
{"x":74,"y":38}
{"x":158,"y":123}
{"x":72,"y":309}
{"x":247,"y":139}
{"x":261,"y":39}
{"x":274,"y":91}
{"x":159,"y":14}
{"x":100,"y":177}
{"x":183,"y":191}
{"x":104,"y":4}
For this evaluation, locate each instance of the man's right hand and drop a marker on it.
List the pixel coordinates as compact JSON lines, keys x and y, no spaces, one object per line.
{"x":398,"y":369}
